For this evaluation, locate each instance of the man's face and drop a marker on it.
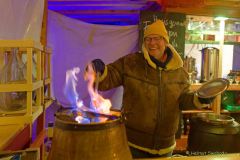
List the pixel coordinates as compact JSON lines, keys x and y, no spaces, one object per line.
{"x":155,"y":45}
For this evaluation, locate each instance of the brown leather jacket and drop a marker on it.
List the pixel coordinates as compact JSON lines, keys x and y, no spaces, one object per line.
{"x":152,"y":97}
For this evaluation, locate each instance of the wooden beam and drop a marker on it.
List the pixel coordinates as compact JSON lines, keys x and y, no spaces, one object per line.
{"x":98,"y":5}
{"x":109,"y":20}
{"x":185,"y":3}
{"x":83,"y":0}
{"x":230,"y":4}
{"x":21,"y":141}
{"x":105,"y":19}
{"x":39,"y":141}
{"x":208,"y":11}
{"x":95,"y":7}
{"x":222,"y":3}
{"x":92,"y":1}
{"x":105,"y":2}
{"x":93,"y":12}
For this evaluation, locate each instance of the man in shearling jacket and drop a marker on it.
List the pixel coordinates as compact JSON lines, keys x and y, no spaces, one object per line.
{"x":156,"y":88}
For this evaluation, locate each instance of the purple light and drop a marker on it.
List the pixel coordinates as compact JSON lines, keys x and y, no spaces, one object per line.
{"x":101,"y":10}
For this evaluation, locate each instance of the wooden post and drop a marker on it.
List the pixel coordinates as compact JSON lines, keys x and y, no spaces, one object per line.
{"x":43,"y":38}
{"x":41,"y":119}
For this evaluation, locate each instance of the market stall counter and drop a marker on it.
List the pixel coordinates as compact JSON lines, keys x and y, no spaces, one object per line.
{"x":235,"y":156}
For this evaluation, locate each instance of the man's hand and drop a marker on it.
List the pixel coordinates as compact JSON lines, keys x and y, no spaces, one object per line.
{"x":96,"y":66}
{"x":89,"y":74}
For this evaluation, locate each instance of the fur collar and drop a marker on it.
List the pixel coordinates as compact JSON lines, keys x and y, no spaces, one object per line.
{"x":175,"y":63}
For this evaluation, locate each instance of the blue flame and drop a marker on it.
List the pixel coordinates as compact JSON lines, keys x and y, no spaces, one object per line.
{"x":70,"y":86}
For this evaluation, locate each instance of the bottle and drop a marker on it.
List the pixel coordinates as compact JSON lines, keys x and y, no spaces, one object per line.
{"x":12,"y":73}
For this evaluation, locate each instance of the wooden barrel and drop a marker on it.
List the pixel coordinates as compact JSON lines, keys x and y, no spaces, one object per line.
{"x":93,"y":141}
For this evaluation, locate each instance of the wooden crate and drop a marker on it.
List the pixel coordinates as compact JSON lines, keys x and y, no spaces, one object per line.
{"x":29,"y":86}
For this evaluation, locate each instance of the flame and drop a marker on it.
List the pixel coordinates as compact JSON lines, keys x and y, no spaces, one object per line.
{"x":87,"y":120}
{"x":81,"y":119}
{"x":84,"y":119}
{"x":70,"y":86}
{"x":98,"y":103}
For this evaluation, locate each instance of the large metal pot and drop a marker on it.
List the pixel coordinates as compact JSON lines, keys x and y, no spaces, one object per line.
{"x":211,"y":133}
{"x":210,"y":63}
{"x":103,"y":140}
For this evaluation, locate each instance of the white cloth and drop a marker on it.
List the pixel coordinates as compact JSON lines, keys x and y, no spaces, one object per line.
{"x":75,"y":43}
{"x":21,"y":19}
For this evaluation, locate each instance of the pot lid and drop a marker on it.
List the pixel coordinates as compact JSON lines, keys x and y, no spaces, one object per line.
{"x":215,"y":118}
{"x":212,"y":88}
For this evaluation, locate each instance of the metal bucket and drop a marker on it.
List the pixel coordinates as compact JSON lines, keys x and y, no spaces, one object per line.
{"x":210,"y":63}
{"x":102,"y":140}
